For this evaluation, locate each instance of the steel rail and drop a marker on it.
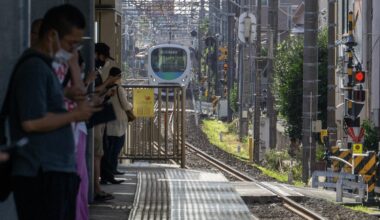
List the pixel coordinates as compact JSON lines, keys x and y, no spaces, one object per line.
{"x":288,"y":203}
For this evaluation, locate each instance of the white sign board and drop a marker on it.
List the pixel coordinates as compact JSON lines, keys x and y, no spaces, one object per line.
{"x":247,"y":28}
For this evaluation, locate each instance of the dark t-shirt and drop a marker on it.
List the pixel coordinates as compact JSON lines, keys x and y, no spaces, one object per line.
{"x":36,"y":91}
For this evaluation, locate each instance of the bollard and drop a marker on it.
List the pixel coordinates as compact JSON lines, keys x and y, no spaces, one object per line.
{"x":290,"y":174}
{"x":250,"y":148}
{"x":290,"y":177}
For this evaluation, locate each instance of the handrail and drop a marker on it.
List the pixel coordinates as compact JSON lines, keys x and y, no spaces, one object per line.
{"x":341,"y":160}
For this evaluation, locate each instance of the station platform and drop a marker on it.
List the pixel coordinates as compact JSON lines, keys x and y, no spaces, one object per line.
{"x":156,"y":191}
{"x":166,"y":192}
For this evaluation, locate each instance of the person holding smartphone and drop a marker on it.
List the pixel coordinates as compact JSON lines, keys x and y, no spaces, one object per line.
{"x":45,"y":180}
{"x":116,"y":129}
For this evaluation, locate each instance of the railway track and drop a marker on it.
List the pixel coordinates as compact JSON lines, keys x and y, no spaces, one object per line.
{"x":287,"y":203}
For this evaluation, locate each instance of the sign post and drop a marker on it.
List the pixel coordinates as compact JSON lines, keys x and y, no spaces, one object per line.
{"x":247,"y":28}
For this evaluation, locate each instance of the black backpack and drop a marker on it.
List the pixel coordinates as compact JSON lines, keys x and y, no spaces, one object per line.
{"x":6,"y":167}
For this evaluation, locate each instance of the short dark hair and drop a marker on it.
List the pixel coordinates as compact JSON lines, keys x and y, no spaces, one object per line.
{"x":36,"y":26}
{"x":114,"y":71}
{"x":62,"y":18}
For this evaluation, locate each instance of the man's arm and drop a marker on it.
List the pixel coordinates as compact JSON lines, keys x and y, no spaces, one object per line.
{"x":53,"y":121}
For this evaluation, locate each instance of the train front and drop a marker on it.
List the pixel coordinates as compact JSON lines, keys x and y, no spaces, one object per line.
{"x":169,"y":64}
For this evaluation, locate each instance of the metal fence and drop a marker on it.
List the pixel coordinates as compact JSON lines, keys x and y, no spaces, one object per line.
{"x":156,"y":135}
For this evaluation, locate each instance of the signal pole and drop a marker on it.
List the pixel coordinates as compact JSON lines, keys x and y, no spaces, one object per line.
{"x":310,"y":87}
{"x":355,"y":93}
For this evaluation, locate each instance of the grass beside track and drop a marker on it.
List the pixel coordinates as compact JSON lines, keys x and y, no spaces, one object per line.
{"x":229,"y":143}
{"x":281,"y":177}
{"x":362,"y":208}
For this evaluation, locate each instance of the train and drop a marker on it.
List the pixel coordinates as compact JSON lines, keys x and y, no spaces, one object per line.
{"x":170,"y":64}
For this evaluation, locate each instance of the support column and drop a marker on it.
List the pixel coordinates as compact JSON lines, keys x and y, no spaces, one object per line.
{"x":310,"y":88}
{"x":375,"y":74}
{"x":257,"y":75}
{"x":331,"y":121}
{"x":14,"y":38}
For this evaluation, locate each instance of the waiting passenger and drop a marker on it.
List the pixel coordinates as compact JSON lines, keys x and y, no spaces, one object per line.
{"x":116,"y":129}
{"x":102,"y":82}
{"x":45,"y":179}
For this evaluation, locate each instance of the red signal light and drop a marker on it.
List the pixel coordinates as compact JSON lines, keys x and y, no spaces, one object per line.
{"x":359,"y":76}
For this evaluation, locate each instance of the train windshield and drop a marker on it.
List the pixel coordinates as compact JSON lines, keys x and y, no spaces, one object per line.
{"x":169,"y":62}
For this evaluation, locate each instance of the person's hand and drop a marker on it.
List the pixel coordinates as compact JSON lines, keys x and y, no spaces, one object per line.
{"x":75,"y":93}
{"x":111,"y":79}
{"x":111,"y":92}
{"x":3,"y":156}
{"x":84,"y":110}
{"x":74,"y":59}
{"x":90,"y":77}
{"x":95,"y":99}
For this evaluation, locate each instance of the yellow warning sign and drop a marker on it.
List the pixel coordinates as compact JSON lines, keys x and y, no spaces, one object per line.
{"x":223,"y":53}
{"x":323,"y":134}
{"x":357,"y":148}
{"x":143,"y":102}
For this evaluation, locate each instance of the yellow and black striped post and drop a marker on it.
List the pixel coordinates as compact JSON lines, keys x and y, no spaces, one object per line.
{"x":366,"y":166}
{"x":343,"y":154}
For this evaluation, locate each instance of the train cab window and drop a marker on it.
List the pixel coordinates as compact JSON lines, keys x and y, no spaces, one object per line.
{"x":169,"y":60}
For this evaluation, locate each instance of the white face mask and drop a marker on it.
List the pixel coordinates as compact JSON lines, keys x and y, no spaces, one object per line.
{"x":60,"y":59}
{"x":61,"y":55}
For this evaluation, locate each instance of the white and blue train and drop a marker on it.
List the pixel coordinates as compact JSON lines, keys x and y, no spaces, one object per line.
{"x":168,"y":64}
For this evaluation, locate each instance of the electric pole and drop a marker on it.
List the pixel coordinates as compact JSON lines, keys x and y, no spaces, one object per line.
{"x":257,"y":111}
{"x":244,"y":81}
{"x":310,"y":87}
{"x":272,"y":45}
{"x":231,"y":55}
{"x":331,"y":125}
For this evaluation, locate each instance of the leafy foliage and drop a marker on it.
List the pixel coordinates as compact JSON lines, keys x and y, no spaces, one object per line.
{"x":234,"y":98}
{"x":288,"y":83}
{"x":371,"y":139}
{"x":274,"y":159}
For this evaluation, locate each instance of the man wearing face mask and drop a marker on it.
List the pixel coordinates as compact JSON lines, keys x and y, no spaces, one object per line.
{"x":102,"y":81}
{"x":44,"y":171}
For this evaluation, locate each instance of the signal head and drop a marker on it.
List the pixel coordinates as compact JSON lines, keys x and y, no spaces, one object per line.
{"x":359,"y":76}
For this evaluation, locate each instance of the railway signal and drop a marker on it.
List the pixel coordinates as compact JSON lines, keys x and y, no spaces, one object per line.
{"x":359,"y":76}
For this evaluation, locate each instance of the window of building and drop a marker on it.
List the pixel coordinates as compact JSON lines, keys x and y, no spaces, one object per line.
{"x":263,"y":2}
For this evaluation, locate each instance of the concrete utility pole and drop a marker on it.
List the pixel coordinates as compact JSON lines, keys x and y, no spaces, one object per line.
{"x":310,"y":87}
{"x":257,"y":112}
{"x":331,"y":122}
{"x":375,"y":75}
{"x":200,"y":37}
{"x":231,"y":55}
{"x":245,"y":77}
{"x":272,"y":33}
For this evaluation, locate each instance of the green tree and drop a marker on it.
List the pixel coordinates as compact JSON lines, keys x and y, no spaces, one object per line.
{"x":288,"y":82}
{"x":371,"y":139}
